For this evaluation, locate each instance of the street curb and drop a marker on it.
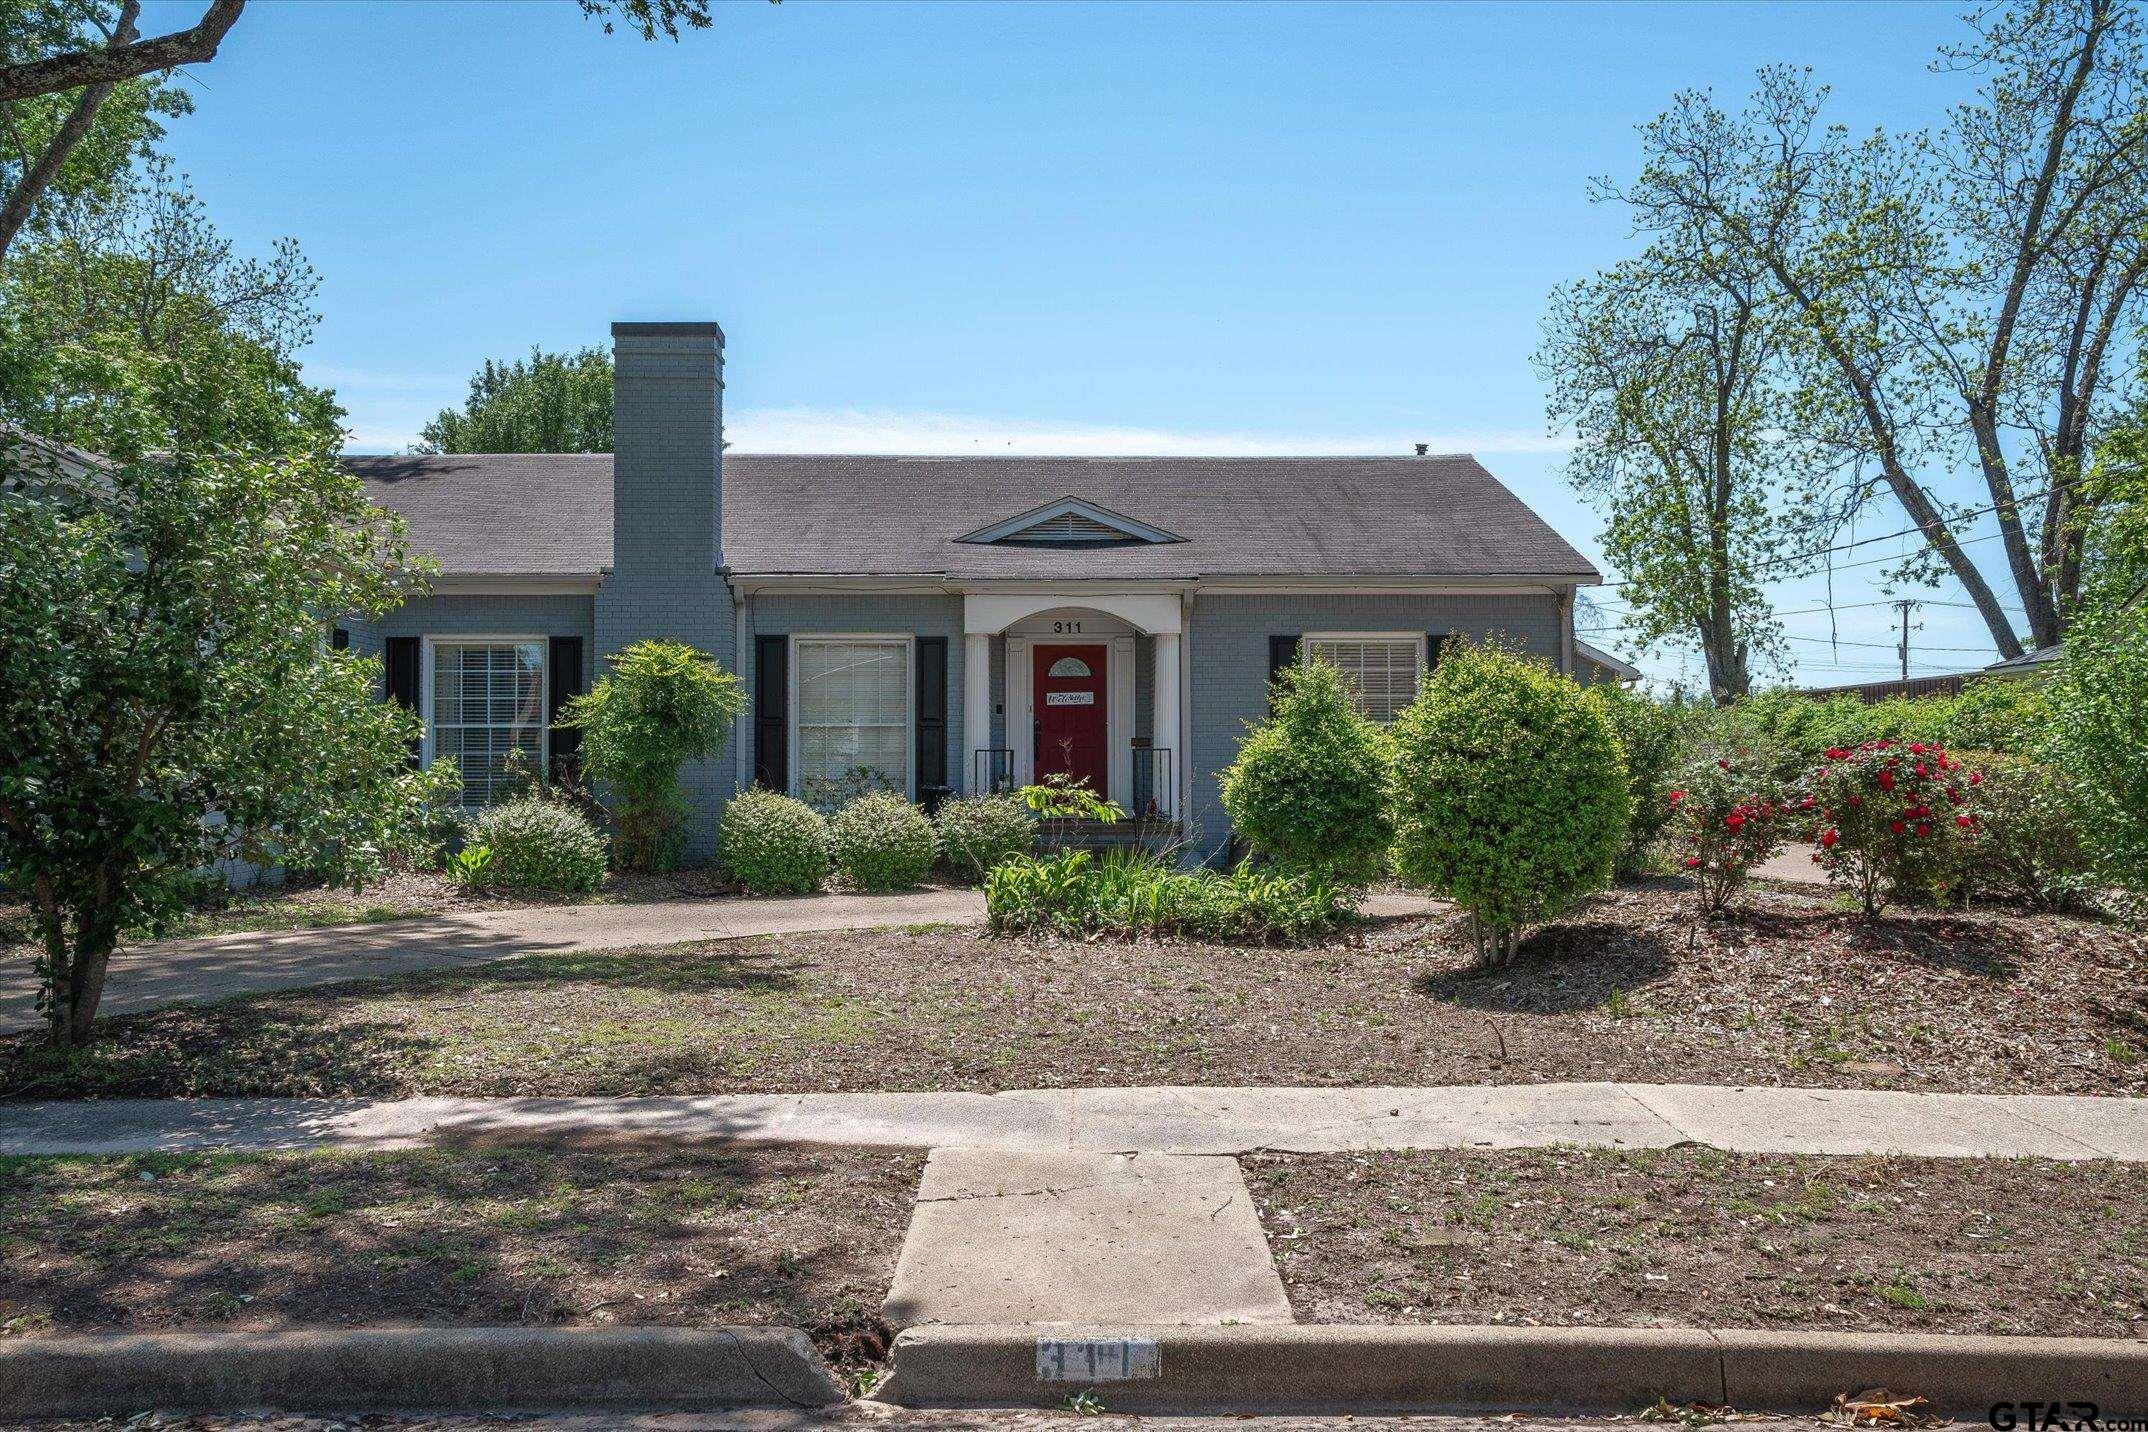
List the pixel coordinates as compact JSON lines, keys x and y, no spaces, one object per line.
{"x":1362,"y":1368}
{"x":432,"y":1368}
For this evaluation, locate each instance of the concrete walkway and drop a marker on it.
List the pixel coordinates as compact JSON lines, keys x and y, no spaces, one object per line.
{"x":217,"y":967}
{"x":1184,"y":1121}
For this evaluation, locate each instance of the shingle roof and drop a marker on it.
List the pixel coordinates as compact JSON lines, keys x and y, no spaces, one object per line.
{"x":1332,"y":516}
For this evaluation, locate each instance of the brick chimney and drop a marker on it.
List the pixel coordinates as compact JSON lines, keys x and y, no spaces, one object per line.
{"x":667,"y":449}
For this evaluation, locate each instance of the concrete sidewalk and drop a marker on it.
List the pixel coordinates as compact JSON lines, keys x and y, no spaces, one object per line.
{"x":219,"y":966}
{"x":1160,"y":1120}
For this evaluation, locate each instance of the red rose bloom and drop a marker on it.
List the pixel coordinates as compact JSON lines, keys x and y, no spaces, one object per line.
{"x":1829,"y":837}
{"x":1734,"y":821}
{"x":1924,"y":827}
{"x":1677,"y":796}
{"x":1691,"y":861}
{"x":1965,"y":820}
{"x":1896,"y":826}
{"x":1886,"y":780}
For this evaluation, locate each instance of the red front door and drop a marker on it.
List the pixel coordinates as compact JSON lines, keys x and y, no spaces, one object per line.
{"x":1069,"y":711}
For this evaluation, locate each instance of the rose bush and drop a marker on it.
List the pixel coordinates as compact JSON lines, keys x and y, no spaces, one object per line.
{"x":1895,"y":820}
{"x":1727,"y":814}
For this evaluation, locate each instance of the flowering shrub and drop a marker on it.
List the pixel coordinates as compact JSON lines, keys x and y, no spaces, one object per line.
{"x":1895,"y":820}
{"x":1727,"y":815}
{"x":1509,"y":790}
{"x":772,"y":844}
{"x":882,"y":842}
{"x":1309,"y":788}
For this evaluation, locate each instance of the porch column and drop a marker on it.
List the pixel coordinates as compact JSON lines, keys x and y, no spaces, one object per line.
{"x":976,"y":704}
{"x":1163,"y":720}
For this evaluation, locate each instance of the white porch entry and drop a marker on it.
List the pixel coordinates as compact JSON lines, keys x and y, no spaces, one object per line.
{"x":1113,"y":622}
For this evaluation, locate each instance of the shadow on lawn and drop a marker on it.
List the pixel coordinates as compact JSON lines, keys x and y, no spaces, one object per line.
{"x":1561,"y":969}
{"x":486,"y":1236}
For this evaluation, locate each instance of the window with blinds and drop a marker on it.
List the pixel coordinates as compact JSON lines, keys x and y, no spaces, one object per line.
{"x":853,"y":717}
{"x":1381,"y":671}
{"x":487,"y":705}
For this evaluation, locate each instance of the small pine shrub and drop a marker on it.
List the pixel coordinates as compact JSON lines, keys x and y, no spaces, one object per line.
{"x":2028,"y":846}
{"x":1650,"y":735}
{"x":881,"y":842}
{"x":1726,"y":815}
{"x":532,"y":844}
{"x":978,"y":832}
{"x":1309,"y":788}
{"x":772,"y":844}
{"x":1895,"y":820}
{"x":1509,"y":791}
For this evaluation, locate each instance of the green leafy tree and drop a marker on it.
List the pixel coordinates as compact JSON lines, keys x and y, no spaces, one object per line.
{"x":1509,"y":793}
{"x":133,"y":326}
{"x":548,"y":402}
{"x":1309,"y":787}
{"x":1651,"y":737}
{"x":662,"y":704}
{"x":1959,"y":298}
{"x":169,"y":700}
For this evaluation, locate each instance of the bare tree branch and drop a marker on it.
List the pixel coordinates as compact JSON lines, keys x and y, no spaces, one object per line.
{"x":113,"y":64}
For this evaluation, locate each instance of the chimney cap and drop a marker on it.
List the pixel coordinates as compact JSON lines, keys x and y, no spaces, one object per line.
{"x":1423,"y":448}
{"x":668,"y":330}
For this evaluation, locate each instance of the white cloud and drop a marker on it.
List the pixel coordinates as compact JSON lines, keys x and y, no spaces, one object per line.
{"x":865,"y":430}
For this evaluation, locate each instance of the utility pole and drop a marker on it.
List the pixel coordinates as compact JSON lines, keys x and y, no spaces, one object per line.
{"x":1904,"y":605}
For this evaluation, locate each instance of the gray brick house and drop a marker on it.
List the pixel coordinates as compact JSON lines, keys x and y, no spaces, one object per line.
{"x":943,"y":623}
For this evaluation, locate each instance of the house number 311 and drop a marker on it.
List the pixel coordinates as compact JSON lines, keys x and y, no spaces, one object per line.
{"x":1066,"y":626}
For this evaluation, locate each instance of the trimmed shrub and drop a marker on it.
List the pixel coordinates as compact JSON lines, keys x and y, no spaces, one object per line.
{"x":1309,"y":788}
{"x":1132,"y":893}
{"x":1993,"y":714}
{"x":662,"y":704}
{"x":2027,"y":845}
{"x":978,"y":832}
{"x":881,"y":842}
{"x":1726,"y":816}
{"x":772,"y":844}
{"x":1895,"y":820}
{"x":1650,"y":734}
{"x":532,"y":844}
{"x":1509,"y":792}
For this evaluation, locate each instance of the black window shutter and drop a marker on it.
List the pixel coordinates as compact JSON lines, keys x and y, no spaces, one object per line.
{"x":1435,"y":643}
{"x":340,"y":639}
{"x":564,"y":677}
{"x":1282,"y":652}
{"x":771,"y":712}
{"x":931,"y":719}
{"x":399,"y":666}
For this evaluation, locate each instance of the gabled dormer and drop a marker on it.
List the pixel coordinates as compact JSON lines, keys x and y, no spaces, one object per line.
{"x":1070,"y":523}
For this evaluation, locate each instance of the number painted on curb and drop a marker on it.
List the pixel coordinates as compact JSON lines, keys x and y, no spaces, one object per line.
{"x":1093,"y":1360}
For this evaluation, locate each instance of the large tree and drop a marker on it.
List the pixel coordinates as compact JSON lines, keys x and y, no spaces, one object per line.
{"x":548,"y":402}
{"x":1669,"y":370}
{"x":1958,"y":296}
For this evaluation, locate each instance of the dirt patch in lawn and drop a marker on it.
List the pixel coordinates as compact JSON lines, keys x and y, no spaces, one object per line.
{"x":1787,"y":992}
{"x":792,"y":1237}
{"x":1695,"y":1237}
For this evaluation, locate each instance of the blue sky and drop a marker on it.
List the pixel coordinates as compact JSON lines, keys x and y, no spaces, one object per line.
{"x":1035,"y":227}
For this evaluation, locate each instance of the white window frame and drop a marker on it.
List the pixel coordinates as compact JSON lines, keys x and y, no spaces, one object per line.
{"x":908,"y":642}
{"x":543,"y":644}
{"x":1416,"y":639}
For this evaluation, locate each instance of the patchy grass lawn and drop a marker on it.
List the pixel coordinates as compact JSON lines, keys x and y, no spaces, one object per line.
{"x":402,"y":895}
{"x":1788,"y":992}
{"x":1691,"y":1236}
{"x":793,"y":1237}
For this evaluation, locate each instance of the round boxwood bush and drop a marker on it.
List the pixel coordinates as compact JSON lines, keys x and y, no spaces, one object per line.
{"x":1509,"y":792}
{"x":534,"y":844}
{"x":979,"y":832}
{"x":772,"y":844}
{"x":1309,"y":788}
{"x":881,"y":842}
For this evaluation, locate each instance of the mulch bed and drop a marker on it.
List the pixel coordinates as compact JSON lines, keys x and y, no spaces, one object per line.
{"x":793,"y":1237}
{"x":1695,"y":1237}
{"x":1788,"y":991}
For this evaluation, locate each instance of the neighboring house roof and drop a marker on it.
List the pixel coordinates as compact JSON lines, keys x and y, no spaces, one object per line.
{"x":2029,"y":663}
{"x":1597,"y":656}
{"x":537,"y":514}
{"x":31,"y":463}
